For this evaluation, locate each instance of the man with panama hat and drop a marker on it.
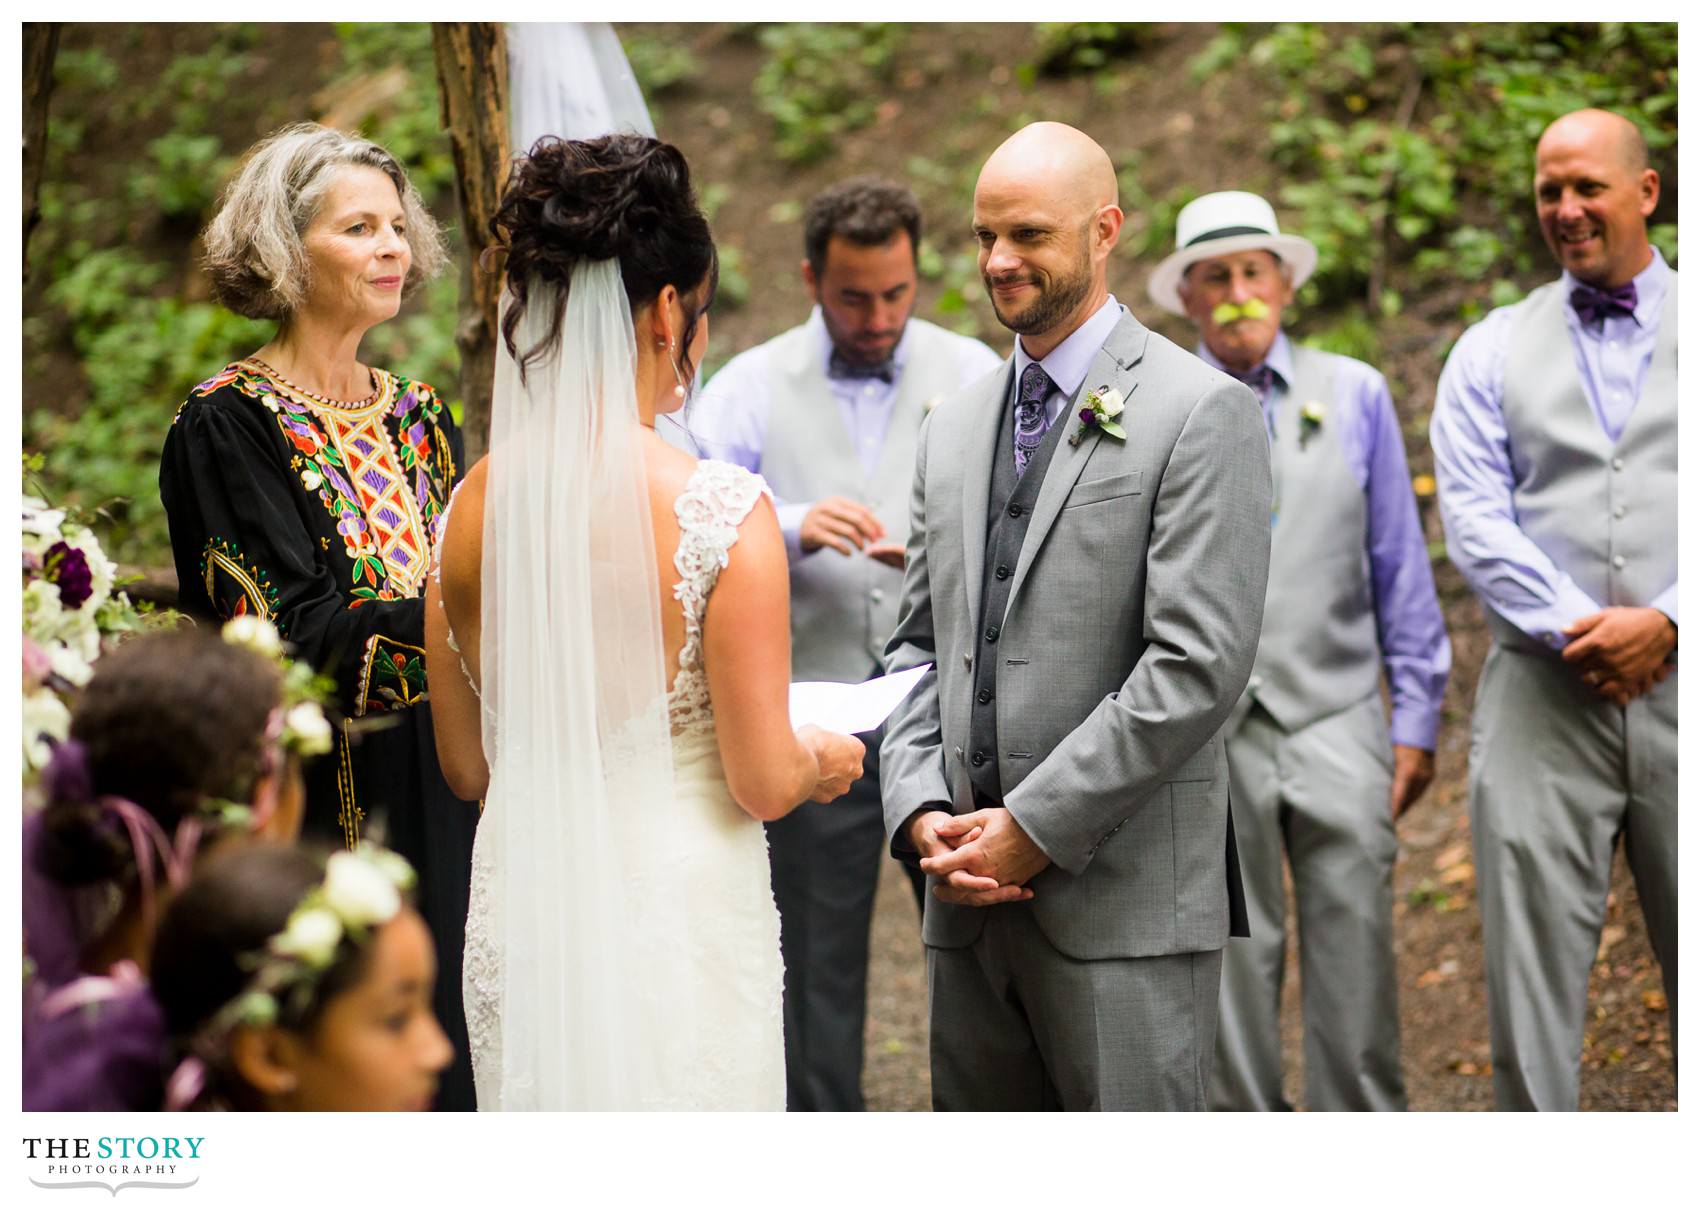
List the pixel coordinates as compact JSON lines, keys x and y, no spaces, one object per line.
{"x":1313,"y":765}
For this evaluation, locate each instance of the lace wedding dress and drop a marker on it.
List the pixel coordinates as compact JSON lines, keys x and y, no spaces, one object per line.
{"x":723,"y":1046}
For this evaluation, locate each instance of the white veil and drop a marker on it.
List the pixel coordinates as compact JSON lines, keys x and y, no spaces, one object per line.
{"x":575,"y":727}
{"x":571,"y":78}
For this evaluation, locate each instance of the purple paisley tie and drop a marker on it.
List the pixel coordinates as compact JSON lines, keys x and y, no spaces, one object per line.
{"x":1031,"y":420}
{"x":1593,"y":305}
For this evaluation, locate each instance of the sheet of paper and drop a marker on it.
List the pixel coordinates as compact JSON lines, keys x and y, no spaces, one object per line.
{"x":851,"y":707}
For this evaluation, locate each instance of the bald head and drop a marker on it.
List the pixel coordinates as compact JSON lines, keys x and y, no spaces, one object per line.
{"x":1594,"y":194}
{"x":1599,"y":131}
{"x":1052,"y":164}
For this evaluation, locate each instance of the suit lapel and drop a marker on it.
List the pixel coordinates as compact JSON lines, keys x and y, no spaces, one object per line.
{"x":1114,"y":366}
{"x":982,"y":440}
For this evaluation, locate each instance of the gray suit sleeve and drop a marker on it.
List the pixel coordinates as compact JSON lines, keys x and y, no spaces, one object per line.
{"x":1207,"y":565}
{"x":912,"y":771}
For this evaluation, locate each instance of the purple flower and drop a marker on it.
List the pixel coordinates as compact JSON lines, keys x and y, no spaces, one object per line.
{"x":68,"y":568}
{"x":1088,"y":417}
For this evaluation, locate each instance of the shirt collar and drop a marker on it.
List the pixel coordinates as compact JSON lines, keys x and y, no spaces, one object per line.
{"x":1650,"y":287}
{"x":1068,"y":364}
{"x":823,"y":342}
{"x":1279,"y":358}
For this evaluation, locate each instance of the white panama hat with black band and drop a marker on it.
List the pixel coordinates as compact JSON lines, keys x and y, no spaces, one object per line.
{"x":1215,"y":225}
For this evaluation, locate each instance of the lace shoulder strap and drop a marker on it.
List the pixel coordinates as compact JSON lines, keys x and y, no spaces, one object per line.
{"x":715,"y":502}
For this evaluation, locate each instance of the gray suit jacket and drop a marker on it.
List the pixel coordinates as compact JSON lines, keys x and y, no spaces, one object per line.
{"x":1131,"y":628}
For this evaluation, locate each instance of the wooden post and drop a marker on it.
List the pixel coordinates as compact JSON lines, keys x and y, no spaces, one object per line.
{"x":41,"y":45}
{"x":472,"y":76}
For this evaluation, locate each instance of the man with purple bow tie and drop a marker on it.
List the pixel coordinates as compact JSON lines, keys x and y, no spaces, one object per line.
{"x":1314,"y":768}
{"x":1554,"y":437}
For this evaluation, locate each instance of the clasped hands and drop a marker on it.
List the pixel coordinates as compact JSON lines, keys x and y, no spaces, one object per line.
{"x":983,"y":858}
{"x":1621,"y":652}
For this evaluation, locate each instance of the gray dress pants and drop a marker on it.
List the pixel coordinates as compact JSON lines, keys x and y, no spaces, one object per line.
{"x":1557,"y":776}
{"x":1320,"y":794}
{"x":1017,"y":1026}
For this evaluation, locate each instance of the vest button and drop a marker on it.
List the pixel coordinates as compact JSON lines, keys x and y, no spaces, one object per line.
{"x":1617,"y":562}
{"x":992,"y":634}
{"x":1617,"y":465}
{"x":984,"y":696}
{"x":1015,"y":509}
{"x":876,"y":594}
{"x":978,"y":758}
{"x":1003,"y":572}
{"x":1620,"y":511}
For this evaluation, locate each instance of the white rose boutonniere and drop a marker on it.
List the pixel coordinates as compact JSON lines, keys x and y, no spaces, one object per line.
{"x":1310,"y":421}
{"x":1100,"y":408}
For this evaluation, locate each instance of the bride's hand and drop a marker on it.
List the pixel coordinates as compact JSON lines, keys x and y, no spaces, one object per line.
{"x":840,"y":760}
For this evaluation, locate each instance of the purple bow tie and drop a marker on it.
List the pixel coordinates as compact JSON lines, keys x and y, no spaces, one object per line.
{"x":1593,"y":305}
{"x":840,"y":367}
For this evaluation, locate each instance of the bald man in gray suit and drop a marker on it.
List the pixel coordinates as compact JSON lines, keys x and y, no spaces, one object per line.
{"x":1088,"y":551}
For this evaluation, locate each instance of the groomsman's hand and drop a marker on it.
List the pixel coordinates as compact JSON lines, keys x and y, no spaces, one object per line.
{"x":841,"y":524}
{"x":1413,"y":771}
{"x":1002,"y":853}
{"x":1621,"y":652}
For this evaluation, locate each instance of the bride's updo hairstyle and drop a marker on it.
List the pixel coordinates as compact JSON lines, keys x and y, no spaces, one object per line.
{"x":624,"y":196}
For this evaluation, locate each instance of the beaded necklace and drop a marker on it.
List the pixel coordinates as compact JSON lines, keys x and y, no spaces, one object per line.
{"x":314,"y":396}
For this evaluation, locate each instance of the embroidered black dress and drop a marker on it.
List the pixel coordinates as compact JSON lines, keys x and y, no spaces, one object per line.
{"x":319,"y":517}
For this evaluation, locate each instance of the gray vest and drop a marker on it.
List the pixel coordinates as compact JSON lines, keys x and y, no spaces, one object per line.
{"x":1319,"y":650}
{"x":1605,"y":514}
{"x":844,"y":609}
{"x":1009,"y":510}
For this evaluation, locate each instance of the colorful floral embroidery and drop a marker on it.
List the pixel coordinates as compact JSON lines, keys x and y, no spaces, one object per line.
{"x":252,"y":592}
{"x":361,"y":472}
{"x":391,"y":677}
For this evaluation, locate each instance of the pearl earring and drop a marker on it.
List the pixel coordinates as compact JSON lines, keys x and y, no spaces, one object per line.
{"x":680,"y":392}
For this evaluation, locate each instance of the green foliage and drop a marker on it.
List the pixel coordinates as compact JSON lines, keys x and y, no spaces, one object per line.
{"x":180,"y":175}
{"x":821,"y":81}
{"x":1415,"y":143}
{"x":734,"y":289}
{"x":1069,"y":47}
{"x":660,"y":65}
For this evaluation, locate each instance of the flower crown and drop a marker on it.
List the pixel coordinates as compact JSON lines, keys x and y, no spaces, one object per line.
{"x":362,"y":889}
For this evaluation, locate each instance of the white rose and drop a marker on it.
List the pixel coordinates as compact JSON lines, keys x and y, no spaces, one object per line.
{"x":42,"y":609}
{"x":44,"y":716}
{"x":1112,"y":402}
{"x":359,"y":890}
{"x":394,"y":866}
{"x":39,"y":520}
{"x":311,"y":935}
{"x":70,"y":665}
{"x":312,"y":732}
{"x":252,"y":632}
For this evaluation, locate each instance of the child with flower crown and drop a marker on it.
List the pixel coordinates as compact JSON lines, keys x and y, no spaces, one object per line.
{"x":178,"y":741}
{"x":290,"y":982}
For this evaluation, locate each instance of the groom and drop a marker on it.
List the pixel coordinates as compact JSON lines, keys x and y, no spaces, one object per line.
{"x":1088,"y":550}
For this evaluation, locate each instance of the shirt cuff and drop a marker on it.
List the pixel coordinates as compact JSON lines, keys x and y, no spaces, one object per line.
{"x":1666,"y":602}
{"x":791,"y":517}
{"x":1415,"y":725}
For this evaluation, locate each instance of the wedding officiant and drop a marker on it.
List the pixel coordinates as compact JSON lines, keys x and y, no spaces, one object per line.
{"x":828,"y":413}
{"x":303,"y":486}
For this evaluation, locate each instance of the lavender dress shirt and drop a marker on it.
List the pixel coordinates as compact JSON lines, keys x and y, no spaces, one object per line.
{"x":1415,"y":652}
{"x":1472,"y":458}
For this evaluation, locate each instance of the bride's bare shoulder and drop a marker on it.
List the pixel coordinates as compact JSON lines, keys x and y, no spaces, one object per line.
{"x":669,"y":469}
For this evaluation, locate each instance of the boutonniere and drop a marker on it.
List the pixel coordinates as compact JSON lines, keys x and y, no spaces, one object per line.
{"x":1310,"y":421}
{"x":1102,"y":407}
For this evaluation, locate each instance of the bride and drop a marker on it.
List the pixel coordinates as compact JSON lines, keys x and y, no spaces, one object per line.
{"x":609,"y":655}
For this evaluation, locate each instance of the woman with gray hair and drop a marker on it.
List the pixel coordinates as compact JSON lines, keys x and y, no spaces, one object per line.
{"x":304,"y":486}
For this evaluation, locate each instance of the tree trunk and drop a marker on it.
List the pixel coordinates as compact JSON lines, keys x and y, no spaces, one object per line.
{"x":41,"y":44}
{"x":472,"y":76}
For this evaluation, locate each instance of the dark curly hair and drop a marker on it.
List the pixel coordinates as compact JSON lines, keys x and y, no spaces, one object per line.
{"x":169,"y":721}
{"x":624,"y":196}
{"x":868,"y":211}
{"x":202,"y":954}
